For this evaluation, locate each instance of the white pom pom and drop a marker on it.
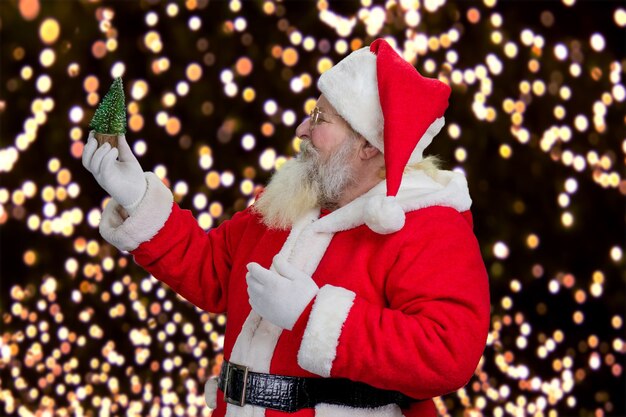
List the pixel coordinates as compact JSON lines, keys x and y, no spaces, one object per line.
{"x":384,"y":215}
{"x":210,"y":393}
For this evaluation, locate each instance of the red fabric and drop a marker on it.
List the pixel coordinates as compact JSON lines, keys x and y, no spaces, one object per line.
{"x":428,"y":338}
{"x":421,"y":314}
{"x":410,"y":104}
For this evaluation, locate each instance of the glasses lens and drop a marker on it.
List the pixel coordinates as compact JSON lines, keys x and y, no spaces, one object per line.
{"x":314,"y":116}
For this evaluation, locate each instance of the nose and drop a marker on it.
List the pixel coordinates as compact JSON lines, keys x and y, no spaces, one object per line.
{"x":303,"y":130}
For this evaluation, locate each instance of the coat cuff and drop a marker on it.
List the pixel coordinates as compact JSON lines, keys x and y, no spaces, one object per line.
{"x":147,"y":219}
{"x":321,"y":335}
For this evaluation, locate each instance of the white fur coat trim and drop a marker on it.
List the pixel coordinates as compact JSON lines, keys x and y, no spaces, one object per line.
{"x":417,"y":190}
{"x":149,"y":217}
{"x":334,"y":410}
{"x":210,"y":392}
{"x":321,"y":335}
{"x":257,"y":339}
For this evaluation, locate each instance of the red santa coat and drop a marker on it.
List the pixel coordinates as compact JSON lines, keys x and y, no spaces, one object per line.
{"x":407,"y":311}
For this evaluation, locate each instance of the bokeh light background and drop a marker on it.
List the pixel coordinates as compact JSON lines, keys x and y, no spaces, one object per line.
{"x":214,"y":92}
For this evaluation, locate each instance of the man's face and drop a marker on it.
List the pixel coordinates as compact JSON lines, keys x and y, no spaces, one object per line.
{"x":322,"y":172}
{"x":329,"y":152}
{"x":328,"y":133}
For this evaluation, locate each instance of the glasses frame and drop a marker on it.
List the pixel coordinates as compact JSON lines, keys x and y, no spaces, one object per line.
{"x":315,"y":116}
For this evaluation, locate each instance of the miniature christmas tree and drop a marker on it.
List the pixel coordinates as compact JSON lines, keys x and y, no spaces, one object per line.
{"x":109,"y":120}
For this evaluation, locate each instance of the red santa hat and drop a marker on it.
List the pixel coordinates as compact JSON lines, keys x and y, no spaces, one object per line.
{"x":385,"y":99}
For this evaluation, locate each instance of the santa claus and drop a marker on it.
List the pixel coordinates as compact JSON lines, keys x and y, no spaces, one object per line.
{"x":354,"y":285}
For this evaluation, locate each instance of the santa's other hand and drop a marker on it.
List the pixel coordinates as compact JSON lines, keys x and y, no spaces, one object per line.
{"x":279,"y":298}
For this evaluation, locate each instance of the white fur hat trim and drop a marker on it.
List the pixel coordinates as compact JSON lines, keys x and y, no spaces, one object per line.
{"x":418,"y":153}
{"x":351,"y":87}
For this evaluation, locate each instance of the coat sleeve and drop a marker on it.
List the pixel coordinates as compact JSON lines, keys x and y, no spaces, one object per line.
{"x":167,"y":242}
{"x":430,"y":338}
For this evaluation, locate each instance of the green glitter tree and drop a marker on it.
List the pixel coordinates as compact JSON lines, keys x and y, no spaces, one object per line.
{"x":109,"y":120}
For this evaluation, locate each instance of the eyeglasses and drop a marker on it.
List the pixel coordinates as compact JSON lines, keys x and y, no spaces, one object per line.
{"x":315,"y":116}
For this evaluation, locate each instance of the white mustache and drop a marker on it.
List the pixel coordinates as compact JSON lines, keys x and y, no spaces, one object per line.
{"x":307,"y":148}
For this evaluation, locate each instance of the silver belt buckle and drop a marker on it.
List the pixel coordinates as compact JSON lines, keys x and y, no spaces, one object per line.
{"x":229,"y":367}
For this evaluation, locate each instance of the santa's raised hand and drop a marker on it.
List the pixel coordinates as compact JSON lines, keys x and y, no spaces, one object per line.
{"x":280,"y":296}
{"x":123,"y":178}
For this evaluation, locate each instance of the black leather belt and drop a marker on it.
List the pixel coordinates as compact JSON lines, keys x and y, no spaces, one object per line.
{"x":290,"y":393}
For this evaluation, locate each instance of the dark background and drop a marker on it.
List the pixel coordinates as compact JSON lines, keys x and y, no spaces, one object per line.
{"x":72,"y":305}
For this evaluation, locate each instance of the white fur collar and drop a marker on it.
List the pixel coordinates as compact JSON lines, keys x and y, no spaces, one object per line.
{"x":417,"y":190}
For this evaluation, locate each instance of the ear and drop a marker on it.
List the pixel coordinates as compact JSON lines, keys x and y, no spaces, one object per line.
{"x":367,"y":150}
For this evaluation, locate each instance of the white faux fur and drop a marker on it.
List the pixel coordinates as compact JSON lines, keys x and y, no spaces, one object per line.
{"x":146,"y":221}
{"x":417,"y":190}
{"x":448,"y":188}
{"x":333,"y":410}
{"x":351,"y":86}
{"x":384,"y":215}
{"x":321,"y":335}
{"x":309,"y":249}
{"x":305,"y":247}
{"x":264,"y":338}
{"x":257,"y":339}
{"x":210,"y":392}
{"x":427,"y":138}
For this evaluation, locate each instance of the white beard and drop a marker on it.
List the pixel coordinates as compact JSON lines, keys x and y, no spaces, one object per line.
{"x":306,"y":182}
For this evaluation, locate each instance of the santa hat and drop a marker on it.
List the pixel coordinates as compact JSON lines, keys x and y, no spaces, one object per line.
{"x":396,"y":109}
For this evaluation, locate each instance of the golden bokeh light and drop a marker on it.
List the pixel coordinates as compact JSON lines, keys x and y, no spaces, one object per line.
{"x":194,"y":72}
{"x":535,"y":122}
{"x":49,"y":31}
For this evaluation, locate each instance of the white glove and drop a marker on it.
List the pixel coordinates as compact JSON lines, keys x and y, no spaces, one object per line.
{"x":280,"y":296}
{"x":124,"y":180}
